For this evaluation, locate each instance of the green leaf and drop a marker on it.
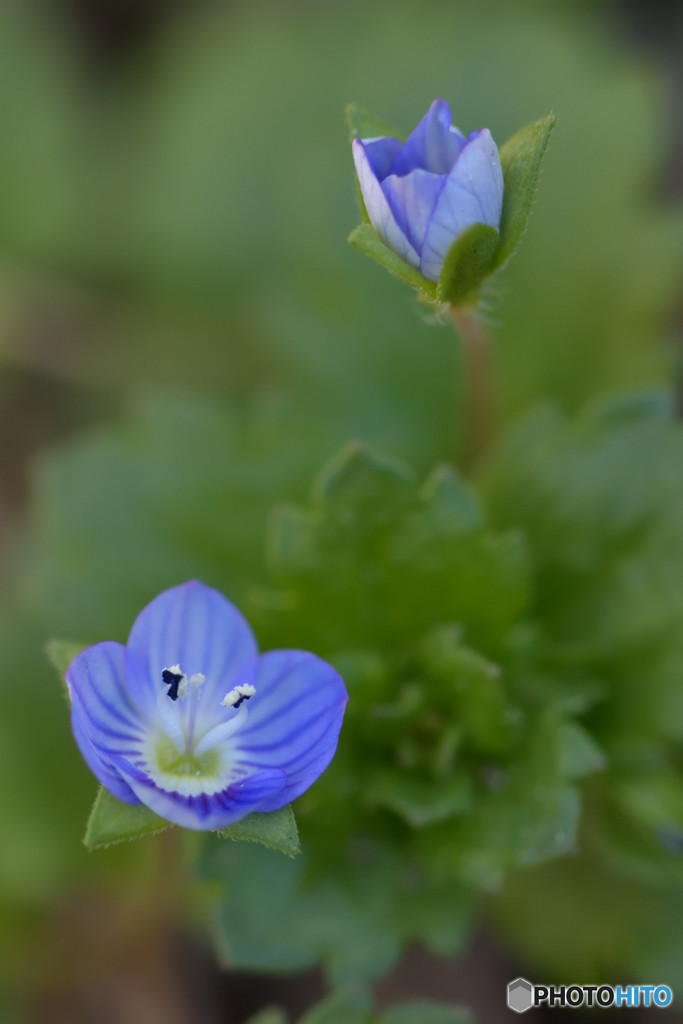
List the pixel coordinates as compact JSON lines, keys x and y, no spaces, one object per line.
{"x":425,"y":1013}
{"x":61,"y":653}
{"x":275,"y":829}
{"x":468,"y":261}
{"x":421,"y":803}
{"x":477,"y":689}
{"x":348,"y":1006}
{"x":521,"y":158}
{"x":290,"y":538}
{"x":453,"y":507}
{"x":578,"y":754}
{"x":366,"y":239}
{"x":111,"y":821}
{"x":359,"y":481}
{"x":276,"y":914}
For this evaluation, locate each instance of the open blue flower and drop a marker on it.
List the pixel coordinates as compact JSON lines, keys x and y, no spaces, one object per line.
{"x":192,"y":721}
{"x":423,"y":193}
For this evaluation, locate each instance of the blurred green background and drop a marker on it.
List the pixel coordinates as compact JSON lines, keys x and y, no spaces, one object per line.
{"x":185,"y":337}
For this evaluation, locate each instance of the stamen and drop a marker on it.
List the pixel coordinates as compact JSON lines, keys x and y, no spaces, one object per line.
{"x":238,"y":694}
{"x":176,"y":680}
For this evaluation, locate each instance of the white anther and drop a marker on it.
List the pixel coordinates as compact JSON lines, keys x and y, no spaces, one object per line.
{"x":238,"y":693}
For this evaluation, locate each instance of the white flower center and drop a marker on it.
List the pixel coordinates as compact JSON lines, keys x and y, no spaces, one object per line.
{"x":182,"y":757}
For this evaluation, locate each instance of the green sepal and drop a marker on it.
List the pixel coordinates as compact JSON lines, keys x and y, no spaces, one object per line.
{"x":468,"y":261}
{"x":364,"y":125}
{"x":365,"y":238}
{"x":111,"y":821}
{"x":521,"y":158}
{"x":60,"y":654}
{"x":274,"y":829}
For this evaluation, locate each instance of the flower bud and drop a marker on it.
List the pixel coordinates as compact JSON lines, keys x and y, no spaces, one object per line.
{"x":423,"y":194}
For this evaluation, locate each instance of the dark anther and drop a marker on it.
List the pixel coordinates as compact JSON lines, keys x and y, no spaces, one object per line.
{"x":172,"y":680}
{"x":241,"y":700}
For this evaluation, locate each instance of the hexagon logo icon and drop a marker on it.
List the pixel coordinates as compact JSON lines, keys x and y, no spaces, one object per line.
{"x":520,"y":995}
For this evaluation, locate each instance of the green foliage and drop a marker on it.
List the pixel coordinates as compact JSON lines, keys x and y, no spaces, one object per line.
{"x":179,"y":259}
{"x":436,"y":786}
{"x":276,"y":830}
{"x":281,"y":914}
{"x":111,"y":821}
{"x":344,"y":1007}
{"x":354,"y":1006}
{"x":468,"y":262}
{"x":521,"y":158}
{"x":600,"y":501}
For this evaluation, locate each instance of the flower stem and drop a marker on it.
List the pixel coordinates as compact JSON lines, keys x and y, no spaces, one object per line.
{"x":479,"y":417}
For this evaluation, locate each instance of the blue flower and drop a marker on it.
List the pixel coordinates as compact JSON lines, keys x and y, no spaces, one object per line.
{"x":192,"y":721}
{"x":423,"y":193}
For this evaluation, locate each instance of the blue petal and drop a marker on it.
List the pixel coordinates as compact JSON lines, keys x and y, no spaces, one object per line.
{"x":293,"y":722}
{"x":412,"y":199}
{"x":195,"y":627}
{"x":206,"y":812}
{"x":433,"y":146}
{"x":105,"y":721}
{"x":381,"y":153}
{"x":472,"y":194}
{"x":379,"y":211}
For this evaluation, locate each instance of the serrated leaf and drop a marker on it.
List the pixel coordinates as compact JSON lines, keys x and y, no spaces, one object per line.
{"x":366,"y":239}
{"x":453,"y":507}
{"x":521,"y":158}
{"x":274,"y":829}
{"x":468,"y":261}
{"x":111,"y":821}
{"x":425,"y":1013}
{"x":61,"y":653}
{"x":358,"y":476}
{"x":352,"y":1006}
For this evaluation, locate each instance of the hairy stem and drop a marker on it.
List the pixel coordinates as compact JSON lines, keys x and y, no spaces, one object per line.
{"x":479,"y":415}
